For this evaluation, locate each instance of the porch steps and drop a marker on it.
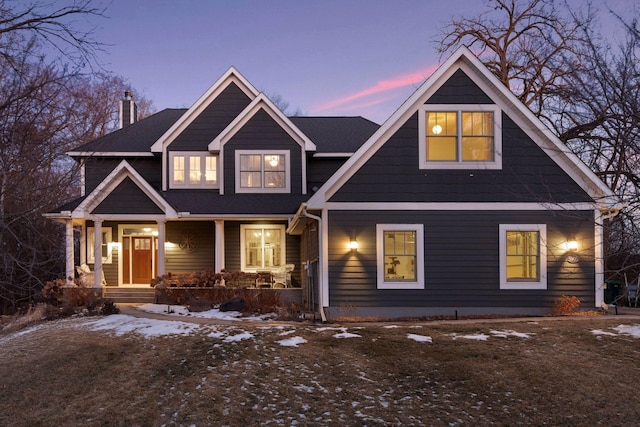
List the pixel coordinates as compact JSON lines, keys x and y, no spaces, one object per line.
{"x":130,"y":295}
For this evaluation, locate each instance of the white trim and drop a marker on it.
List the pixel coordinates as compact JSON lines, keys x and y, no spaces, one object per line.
{"x":324,"y":259}
{"x":219,"y":245}
{"x":83,"y":179}
{"x":230,"y":76}
{"x":458,"y":206}
{"x":419,"y":265}
{"x":140,"y":226}
{"x":187,"y":184}
{"x":283,"y":244}
{"x":598,"y":252}
{"x":261,"y":102}
{"x":507,"y":101}
{"x":332,"y":155}
{"x":110,"y":183}
{"x":108,"y":233}
{"x":496,"y":163}
{"x":262,"y":153}
{"x":110,"y":154}
{"x":539,"y":284}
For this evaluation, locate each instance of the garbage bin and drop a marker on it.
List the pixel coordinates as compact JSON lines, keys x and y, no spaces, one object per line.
{"x":612,"y":290}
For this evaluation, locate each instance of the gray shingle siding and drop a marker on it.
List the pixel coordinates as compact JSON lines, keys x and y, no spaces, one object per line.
{"x":461,"y":262}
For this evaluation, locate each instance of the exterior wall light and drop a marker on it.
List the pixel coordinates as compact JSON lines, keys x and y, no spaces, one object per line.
{"x":571,"y":246}
{"x":353,"y":245}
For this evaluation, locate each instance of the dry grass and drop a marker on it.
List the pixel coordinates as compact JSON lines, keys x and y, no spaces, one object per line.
{"x":64,"y":373}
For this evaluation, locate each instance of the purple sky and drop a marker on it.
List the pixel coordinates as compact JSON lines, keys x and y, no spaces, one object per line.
{"x":324,"y":57}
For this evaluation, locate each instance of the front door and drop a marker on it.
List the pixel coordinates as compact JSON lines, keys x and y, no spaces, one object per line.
{"x":141,"y":259}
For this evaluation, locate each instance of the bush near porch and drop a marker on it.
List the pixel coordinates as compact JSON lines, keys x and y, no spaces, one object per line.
{"x":217,"y":288}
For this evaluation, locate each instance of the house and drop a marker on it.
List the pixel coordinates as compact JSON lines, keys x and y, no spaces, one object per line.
{"x":461,"y":202}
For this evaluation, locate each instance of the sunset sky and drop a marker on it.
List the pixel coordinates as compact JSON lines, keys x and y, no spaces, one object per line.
{"x":323,"y":57}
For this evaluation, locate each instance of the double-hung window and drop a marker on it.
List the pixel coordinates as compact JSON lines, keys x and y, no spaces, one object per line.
{"x":193,"y":170}
{"x":262,"y":172}
{"x":400,"y":256}
{"x":523,"y":256}
{"x":460,"y":137}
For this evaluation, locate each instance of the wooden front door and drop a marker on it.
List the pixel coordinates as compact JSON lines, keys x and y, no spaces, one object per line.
{"x":141,"y":259}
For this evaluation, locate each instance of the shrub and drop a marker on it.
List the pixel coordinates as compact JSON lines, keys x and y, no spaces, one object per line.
{"x":565,"y":305}
{"x":63,"y":300}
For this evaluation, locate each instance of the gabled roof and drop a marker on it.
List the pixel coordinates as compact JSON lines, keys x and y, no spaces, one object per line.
{"x":120,"y":173}
{"x":135,"y":139}
{"x":262,"y":102}
{"x":336,"y":134}
{"x":230,"y":76}
{"x":463,"y":59}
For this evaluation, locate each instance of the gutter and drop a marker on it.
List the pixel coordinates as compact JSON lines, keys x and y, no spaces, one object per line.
{"x":320,"y":293}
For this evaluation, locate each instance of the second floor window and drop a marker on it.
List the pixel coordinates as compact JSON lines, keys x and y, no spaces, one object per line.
{"x":193,"y":170}
{"x":262,"y":171}
{"x":460,"y":137}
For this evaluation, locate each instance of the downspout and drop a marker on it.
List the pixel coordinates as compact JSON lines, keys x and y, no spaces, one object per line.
{"x":320,"y":260}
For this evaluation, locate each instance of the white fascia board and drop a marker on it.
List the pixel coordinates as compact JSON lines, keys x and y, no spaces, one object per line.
{"x":384,"y":132}
{"x":112,"y":180}
{"x":110,"y":154}
{"x":490,"y":84}
{"x":538,"y":131}
{"x":230,"y":76}
{"x":458,"y":206}
{"x":332,"y":155}
{"x":262,"y":102}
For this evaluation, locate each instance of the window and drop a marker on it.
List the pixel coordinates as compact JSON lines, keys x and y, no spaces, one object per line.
{"x":523,"y":256}
{"x":262,"y":171}
{"x":193,"y":170}
{"x":107,"y":247}
{"x":400,"y":256}
{"x":460,"y":137}
{"x":262,"y":246}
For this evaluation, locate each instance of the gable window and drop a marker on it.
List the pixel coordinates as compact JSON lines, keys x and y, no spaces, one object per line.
{"x":262,"y":246}
{"x":523,"y":260}
{"x":460,"y":137}
{"x":400,"y":256}
{"x":193,"y":170}
{"x":258,"y":171}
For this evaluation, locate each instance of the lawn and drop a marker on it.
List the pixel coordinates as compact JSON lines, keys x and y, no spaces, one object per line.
{"x":123,"y":371}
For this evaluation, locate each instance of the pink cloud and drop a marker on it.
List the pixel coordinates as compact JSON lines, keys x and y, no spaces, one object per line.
{"x":380,"y":87}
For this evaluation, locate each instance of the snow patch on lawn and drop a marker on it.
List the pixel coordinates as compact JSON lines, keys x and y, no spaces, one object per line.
{"x":419,"y":338}
{"x":292,"y":342}
{"x":122,"y":324}
{"x":476,"y":337}
{"x":509,"y":333}
{"x":633,"y":330}
{"x":238,"y":337}
{"x":179,"y":310}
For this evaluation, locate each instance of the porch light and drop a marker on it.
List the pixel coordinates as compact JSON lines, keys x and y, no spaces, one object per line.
{"x":570,"y":246}
{"x":353,"y":245}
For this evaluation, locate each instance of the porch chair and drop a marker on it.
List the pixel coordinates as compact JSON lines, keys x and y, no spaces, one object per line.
{"x":632,"y":291}
{"x":88,"y":277}
{"x":282,"y":276}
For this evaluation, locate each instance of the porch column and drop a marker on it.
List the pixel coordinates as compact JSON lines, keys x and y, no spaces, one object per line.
{"x":97,"y":252}
{"x":69,"y":267}
{"x":83,"y":243}
{"x":219,"y":245}
{"x":161,"y":239}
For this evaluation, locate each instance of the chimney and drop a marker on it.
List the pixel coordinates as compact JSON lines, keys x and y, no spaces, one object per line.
{"x":128,"y":110}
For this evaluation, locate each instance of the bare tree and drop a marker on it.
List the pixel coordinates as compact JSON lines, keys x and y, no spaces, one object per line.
{"x":46,"y":108}
{"x":578,"y":84}
{"x":530,"y":45}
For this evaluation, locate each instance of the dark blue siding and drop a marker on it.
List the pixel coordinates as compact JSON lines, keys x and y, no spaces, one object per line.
{"x":212,"y":121}
{"x":127,"y":198}
{"x":261,"y":132}
{"x":527,"y":175}
{"x":97,"y":169}
{"x":459,"y":89}
{"x":461,"y":265}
